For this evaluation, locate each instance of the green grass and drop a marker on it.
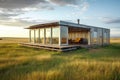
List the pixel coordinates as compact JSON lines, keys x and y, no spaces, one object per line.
{"x":23,"y":63}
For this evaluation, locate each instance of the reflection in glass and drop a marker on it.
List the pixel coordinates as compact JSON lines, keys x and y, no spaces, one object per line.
{"x":48,"y":35}
{"x":42,"y":36}
{"x":64,"y":35}
{"x":55,"y":35}
{"x":95,"y":37}
{"x":105,"y":37}
{"x":100,"y":36}
{"x":32,"y":35}
{"x":37,"y":35}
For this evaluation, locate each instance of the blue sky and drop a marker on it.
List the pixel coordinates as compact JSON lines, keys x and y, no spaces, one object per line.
{"x":15,"y":15}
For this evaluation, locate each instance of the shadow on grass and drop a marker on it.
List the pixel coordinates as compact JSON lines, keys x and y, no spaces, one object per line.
{"x":74,"y":52}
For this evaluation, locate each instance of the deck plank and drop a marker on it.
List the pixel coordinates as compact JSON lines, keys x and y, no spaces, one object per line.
{"x":54,"y":47}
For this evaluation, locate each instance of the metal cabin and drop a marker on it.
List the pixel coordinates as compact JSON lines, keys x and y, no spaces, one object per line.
{"x":64,"y":36}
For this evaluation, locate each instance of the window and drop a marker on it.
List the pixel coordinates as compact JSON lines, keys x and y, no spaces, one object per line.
{"x":32,"y":35}
{"x":55,"y":35}
{"x":48,"y":35}
{"x":95,"y":37}
{"x":100,"y":36}
{"x":64,"y":35}
{"x":42,"y":36}
{"x":105,"y":37}
{"x":37,"y":35}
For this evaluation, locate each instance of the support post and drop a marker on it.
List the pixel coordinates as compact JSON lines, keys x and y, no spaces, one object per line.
{"x":39,"y":35}
{"x":109,"y":36}
{"x":89,"y":37}
{"x":34,"y":36}
{"x":59,"y":35}
{"x":98,"y":34}
{"x":67,"y":35}
{"x":51,"y":36}
{"x":29,"y":35}
{"x":102,"y":37}
{"x":44,"y":36}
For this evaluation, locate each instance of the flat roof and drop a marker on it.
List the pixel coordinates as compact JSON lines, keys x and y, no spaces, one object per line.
{"x":42,"y":25}
{"x":61,"y":23}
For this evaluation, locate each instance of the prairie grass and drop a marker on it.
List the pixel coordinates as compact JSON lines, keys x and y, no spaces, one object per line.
{"x":115,"y":40}
{"x":23,"y":63}
{"x":13,"y":40}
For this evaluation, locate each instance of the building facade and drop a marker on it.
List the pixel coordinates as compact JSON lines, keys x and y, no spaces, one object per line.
{"x":66,"y":33}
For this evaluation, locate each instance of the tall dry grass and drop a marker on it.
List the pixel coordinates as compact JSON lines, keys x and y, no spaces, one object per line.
{"x":74,"y":70}
{"x":14,"y":40}
{"x":114,"y":40}
{"x":23,"y":63}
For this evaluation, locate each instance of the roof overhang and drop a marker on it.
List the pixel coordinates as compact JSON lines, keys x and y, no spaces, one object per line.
{"x":45,"y":25}
{"x":61,"y":23}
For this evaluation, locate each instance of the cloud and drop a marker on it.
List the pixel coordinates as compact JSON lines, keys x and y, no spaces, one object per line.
{"x":7,"y":15}
{"x":13,"y":8}
{"x":21,"y":22}
{"x":65,"y":2}
{"x":83,"y":7}
{"x":18,"y":22}
{"x":34,"y":4}
{"x":80,"y":5}
{"x":22,"y":6}
{"x":109,"y":20}
{"x":14,"y":4}
{"x":26,"y":5}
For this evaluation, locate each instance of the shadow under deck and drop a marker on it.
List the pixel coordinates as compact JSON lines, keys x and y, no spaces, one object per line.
{"x":55,"y":47}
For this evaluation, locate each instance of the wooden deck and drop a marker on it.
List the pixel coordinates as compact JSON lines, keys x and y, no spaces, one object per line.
{"x":55,"y":47}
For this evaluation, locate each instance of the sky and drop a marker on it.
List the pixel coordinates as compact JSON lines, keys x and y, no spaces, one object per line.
{"x":15,"y":15}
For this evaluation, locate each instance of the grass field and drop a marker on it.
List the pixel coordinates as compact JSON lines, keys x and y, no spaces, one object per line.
{"x":23,"y":63}
{"x":115,"y":40}
{"x":13,"y":40}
